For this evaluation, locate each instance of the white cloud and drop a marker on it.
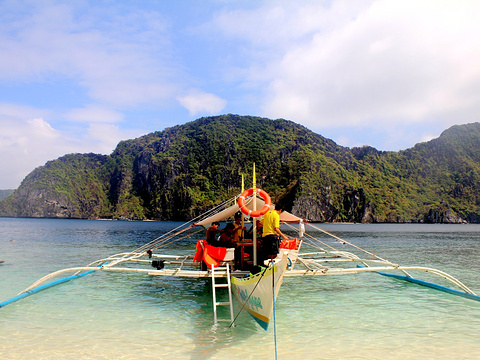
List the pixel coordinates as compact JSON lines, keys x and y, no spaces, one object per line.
{"x":120,"y":55}
{"x":41,"y":128}
{"x":103,"y":138}
{"x":380,"y":64}
{"x":278,"y":25}
{"x":397,"y":61}
{"x":28,"y":141}
{"x":198,"y":102}
{"x":388,"y":63}
{"x":94,"y":114}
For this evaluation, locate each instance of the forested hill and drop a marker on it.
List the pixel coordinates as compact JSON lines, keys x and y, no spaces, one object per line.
{"x":181,"y":171}
{"x":5,"y":193}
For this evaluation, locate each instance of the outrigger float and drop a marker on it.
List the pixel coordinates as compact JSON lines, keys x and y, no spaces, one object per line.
{"x":256,"y":292}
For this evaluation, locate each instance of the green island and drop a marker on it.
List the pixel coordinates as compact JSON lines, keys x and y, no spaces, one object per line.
{"x":182,"y":171}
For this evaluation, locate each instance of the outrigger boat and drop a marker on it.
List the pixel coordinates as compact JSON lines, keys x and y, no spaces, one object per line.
{"x":256,"y":292}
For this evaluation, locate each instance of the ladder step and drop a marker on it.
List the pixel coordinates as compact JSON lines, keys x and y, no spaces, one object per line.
{"x":215,"y":286}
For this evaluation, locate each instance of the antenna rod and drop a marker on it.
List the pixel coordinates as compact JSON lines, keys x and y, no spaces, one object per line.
{"x":254,"y":226}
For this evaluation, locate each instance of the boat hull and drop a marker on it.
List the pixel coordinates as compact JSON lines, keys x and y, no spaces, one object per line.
{"x":257,"y":293}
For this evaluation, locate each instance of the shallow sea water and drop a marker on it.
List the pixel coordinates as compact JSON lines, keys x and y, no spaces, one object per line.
{"x":124,"y":316}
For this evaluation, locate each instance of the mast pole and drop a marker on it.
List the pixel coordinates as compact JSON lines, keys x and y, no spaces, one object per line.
{"x":243,"y":218}
{"x":254,"y":225}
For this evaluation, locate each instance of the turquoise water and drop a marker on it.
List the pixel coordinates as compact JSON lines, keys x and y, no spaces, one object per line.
{"x":123,"y":316}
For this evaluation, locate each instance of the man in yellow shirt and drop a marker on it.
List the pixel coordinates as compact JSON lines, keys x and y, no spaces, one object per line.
{"x":271,"y":233}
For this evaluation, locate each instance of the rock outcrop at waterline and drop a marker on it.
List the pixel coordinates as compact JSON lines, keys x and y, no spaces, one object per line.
{"x":178,"y":173}
{"x":442,"y":214}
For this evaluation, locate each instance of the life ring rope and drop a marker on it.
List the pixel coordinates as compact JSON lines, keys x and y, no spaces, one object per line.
{"x":257,"y":213}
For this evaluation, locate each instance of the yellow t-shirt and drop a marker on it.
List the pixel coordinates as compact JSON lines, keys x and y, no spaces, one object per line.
{"x":271,"y":220}
{"x":237,"y":232}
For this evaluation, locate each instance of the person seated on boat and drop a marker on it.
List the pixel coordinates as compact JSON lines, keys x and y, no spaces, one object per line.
{"x":238,"y":229}
{"x":212,"y":234}
{"x":230,"y":239}
{"x":271,"y":233}
{"x":249,"y":233}
{"x":226,"y":237}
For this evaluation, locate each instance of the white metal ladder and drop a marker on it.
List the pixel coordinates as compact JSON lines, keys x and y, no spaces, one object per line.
{"x":215,"y":286}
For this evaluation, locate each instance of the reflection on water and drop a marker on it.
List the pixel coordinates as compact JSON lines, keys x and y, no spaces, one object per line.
{"x":120,"y":316}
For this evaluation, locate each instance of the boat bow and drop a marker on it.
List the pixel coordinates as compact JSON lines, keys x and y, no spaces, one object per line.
{"x":257,"y":293}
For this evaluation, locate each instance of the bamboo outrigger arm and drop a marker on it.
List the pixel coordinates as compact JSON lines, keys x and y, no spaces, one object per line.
{"x":309,"y":271}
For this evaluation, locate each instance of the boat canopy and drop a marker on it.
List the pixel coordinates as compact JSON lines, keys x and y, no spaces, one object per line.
{"x":285,"y":216}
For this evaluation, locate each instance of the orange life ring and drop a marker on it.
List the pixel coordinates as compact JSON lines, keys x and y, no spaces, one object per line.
{"x":257,"y":213}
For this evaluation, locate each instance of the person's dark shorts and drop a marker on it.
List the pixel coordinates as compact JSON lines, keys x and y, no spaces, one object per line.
{"x":271,"y":244}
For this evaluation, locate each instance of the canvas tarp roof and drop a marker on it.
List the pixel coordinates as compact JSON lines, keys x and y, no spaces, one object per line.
{"x":229,"y":212}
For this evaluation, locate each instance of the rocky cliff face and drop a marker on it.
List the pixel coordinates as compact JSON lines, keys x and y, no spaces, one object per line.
{"x":442,"y":214}
{"x":315,"y":209}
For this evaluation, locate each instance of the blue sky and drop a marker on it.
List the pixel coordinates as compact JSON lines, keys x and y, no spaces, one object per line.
{"x":79,"y":76}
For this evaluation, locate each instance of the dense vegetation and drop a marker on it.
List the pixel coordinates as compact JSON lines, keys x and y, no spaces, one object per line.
{"x":177,"y":173}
